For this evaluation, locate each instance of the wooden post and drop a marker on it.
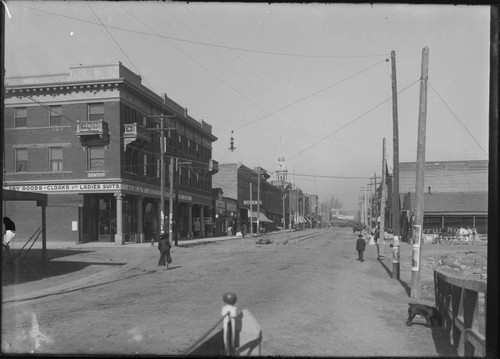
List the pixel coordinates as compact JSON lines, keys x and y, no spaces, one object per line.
{"x":381,"y":239}
{"x":494,"y":189}
{"x":366,"y":213}
{"x":251,"y":209}
{"x":374,"y":205}
{"x":171,"y":200}
{"x":419,"y":186}
{"x":258,"y":200}
{"x":162,"y":177}
{"x":396,"y":210}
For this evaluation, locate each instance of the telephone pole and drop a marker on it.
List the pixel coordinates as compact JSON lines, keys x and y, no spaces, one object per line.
{"x":364,"y":210}
{"x":396,"y":216}
{"x":171,"y":202}
{"x":258,"y":200}
{"x":419,"y":186}
{"x":162,"y":130}
{"x":372,"y":201}
{"x":251,"y":211}
{"x":382,"y":198}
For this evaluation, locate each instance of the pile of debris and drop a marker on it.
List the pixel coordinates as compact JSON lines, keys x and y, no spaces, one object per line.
{"x":468,"y":264}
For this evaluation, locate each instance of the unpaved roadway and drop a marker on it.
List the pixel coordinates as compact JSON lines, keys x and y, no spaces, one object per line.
{"x":310,"y":296}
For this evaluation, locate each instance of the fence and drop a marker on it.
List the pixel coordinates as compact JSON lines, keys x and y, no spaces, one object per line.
{"x":462,"y":304}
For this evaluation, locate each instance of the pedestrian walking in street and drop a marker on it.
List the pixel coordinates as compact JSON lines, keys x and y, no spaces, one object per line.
{"x":244,"y":230}
{"x":164,"y":248}
{"x":148,"y":232}
{"x":8,"y":234}
{"x":360,"y":247}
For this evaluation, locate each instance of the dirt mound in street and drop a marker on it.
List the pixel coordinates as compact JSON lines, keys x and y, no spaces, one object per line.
{"x":469,"y":264}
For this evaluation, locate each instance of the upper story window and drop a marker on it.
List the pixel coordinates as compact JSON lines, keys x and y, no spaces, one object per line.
{"x":95,"y":158}
{"x":21,"y":159}
{"x":55,"y":118}
{"x":95,"y":111}
{"x":132,"y":161}
{"x":20,"y":117}
{"x":55,"y":159}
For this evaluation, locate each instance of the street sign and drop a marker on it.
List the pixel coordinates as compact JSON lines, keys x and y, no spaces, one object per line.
{"x":252,"y":202}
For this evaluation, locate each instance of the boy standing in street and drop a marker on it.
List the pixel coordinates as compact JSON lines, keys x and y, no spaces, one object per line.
{"x":360,"y":247}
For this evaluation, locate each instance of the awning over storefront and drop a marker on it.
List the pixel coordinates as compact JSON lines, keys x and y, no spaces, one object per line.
{"x":307,"y":219}
{"x":262,"y":217}
{"x":299,"y":219}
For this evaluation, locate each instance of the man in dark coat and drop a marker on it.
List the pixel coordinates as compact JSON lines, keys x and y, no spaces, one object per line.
{"x":164,"y":248}
{"x":360,"y":247}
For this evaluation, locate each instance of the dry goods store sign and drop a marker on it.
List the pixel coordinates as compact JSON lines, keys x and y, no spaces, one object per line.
{"x":78,"y":187}
{"x":83,"y":187}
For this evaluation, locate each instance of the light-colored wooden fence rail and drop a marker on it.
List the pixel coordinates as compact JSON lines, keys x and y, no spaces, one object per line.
{"x":462,"y":304}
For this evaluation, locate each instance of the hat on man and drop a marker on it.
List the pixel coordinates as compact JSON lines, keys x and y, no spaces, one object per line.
{"x":360,"y":236}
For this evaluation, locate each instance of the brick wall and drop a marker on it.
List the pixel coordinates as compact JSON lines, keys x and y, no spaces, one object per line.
{"x":226,"y":179}
{"x":445,"y":178}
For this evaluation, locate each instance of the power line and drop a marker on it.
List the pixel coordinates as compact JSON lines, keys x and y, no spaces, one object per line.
{"x":205,"y":43}
{"x":26,"y":54}
{"x":112,"y":138}
{"x":311,"y":95}
{"x":456,"y":117}
{"x":350,"y":123}
{"x":259,"y":76}
{"x":199,"y":64}
{"x":117,"y":44}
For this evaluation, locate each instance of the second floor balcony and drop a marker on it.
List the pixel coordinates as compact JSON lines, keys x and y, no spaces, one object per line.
{"x":135,"y":132}
{"x":93,"y":133}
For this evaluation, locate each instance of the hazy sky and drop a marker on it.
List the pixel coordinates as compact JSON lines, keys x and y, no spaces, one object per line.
{"x":310,"y":82}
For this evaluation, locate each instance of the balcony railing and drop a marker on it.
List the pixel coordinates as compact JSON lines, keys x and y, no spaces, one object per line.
{"x":134,"y":132}
{"x":93,"y":132}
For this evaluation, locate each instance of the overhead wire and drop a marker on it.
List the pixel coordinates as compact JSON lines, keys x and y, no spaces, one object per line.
{"x":456,"y":117}
{"x":205,"y":43}
{"x":236,"y":49}
{"x":198,"y":63}
{"x":351,"y":122}
{"x":117,"y":44}
{"x":242,"y":60}
{"x":113,"y":138}
{"x":310,"y":95}
{"x":25,"y":53}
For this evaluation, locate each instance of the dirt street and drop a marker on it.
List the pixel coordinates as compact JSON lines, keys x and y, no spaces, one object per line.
{"x":310,"y":296}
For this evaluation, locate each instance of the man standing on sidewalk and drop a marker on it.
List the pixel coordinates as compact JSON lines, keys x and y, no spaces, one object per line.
{"x":360,"y":247}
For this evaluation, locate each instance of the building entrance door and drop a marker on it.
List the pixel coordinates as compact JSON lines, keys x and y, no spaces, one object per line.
{"x":107,"y":221}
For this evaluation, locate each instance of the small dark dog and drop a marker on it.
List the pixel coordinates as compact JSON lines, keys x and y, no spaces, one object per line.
{"x":431,"y":314}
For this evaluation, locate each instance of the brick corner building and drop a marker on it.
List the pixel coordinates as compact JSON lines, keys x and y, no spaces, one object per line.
{"x":89,"y":139}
